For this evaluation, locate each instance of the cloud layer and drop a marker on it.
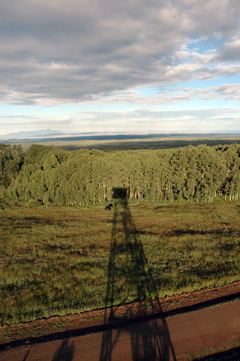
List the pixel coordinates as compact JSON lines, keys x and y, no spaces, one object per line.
{"x":58,"y":52}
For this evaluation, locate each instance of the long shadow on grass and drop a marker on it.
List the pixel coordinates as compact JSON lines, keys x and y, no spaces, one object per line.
{"x":129,"y":278}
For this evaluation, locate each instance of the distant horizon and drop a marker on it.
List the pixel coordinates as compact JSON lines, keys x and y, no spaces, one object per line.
{"x":48,"y":134}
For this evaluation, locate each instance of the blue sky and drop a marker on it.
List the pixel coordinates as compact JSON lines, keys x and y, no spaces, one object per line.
{"x":130,"y":66}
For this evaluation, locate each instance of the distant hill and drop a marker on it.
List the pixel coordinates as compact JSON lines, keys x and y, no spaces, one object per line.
{"x":33,"y":134}
{"x":50,"y":135}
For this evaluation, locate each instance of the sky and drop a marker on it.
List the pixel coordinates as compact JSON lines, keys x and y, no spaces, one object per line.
{"x":138,"y":66}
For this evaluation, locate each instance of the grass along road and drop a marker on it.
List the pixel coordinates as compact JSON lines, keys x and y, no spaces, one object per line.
{"x":181,"y":337}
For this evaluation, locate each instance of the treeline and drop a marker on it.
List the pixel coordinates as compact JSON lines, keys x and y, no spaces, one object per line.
{"x":11,"y":161}
{"x":52,"y":176}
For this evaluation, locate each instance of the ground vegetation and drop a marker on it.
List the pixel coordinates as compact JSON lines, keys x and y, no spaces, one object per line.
{"x":55,"y":260}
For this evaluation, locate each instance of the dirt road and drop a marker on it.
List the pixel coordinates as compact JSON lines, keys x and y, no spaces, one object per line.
{"x":157,"y":339}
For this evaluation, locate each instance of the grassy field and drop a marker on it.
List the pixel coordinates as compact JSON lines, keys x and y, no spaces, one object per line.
{"x":55,"y":261}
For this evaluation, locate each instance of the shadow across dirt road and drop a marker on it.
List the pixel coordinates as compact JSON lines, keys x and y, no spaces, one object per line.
{"x":26,"y":356}
{"x":65,"y":352}
{"x":130,"y":278}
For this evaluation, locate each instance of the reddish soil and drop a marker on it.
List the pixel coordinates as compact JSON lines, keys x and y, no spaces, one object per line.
{"x":167,"y":321}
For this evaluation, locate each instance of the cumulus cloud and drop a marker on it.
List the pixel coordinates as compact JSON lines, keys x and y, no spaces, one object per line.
{"x":56,"y":52}
{"x":169,"y":95}
{"x":230,"y":51}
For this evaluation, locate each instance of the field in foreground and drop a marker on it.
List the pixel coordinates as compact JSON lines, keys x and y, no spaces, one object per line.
{"x":55,"y":261}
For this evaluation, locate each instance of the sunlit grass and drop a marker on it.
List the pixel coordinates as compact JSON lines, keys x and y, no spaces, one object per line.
{"x":55,"y":260}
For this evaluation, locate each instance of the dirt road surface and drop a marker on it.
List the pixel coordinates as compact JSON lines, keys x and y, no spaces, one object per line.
{"x":166,"y":339}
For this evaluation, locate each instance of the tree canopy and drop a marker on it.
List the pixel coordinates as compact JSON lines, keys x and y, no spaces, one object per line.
{"x":53,"y":176}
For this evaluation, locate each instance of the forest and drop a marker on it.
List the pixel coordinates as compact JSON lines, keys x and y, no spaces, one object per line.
{"x":51,"y":176}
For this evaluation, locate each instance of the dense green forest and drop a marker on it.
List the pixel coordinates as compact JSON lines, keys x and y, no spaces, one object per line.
{"x":47,"y":175}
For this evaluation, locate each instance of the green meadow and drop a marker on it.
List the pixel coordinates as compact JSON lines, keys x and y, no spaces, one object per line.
{"x":55,"y":260}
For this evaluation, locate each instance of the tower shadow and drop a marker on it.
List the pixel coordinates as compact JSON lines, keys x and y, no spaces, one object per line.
{"x":129,"y":278}
{"x":65,"y":352}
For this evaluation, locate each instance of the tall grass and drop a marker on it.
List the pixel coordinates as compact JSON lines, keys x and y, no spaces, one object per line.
{"x":54,"y":261}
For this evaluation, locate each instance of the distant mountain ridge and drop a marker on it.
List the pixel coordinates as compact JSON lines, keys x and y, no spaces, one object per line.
{"x":53,"y":135}
{"x":33,"y":134}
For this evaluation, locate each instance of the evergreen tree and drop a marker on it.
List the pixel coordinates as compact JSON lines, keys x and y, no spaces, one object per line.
{"x":52,"y":176}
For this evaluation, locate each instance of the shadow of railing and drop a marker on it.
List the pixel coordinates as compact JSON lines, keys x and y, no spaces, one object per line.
{"x":129,"y":278}
{"x":26,"y":356}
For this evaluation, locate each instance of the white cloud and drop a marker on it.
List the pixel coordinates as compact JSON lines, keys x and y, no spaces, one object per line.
{"x":169,"y":95}
{"x":56,"y":52}
{"x":148,"y":120}
{"x":138,"y":120}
